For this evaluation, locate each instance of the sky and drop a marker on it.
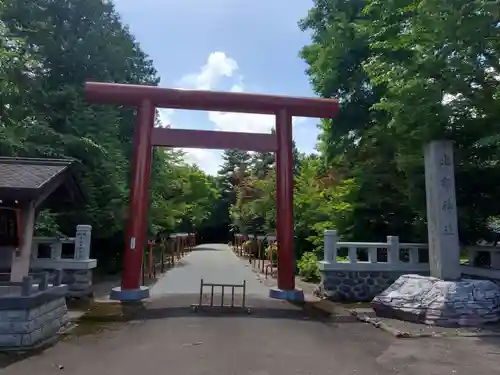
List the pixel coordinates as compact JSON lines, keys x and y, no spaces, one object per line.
{"x":225,"y":45}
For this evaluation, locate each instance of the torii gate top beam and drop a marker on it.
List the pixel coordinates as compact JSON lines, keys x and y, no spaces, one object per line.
{"x":134,"y":95}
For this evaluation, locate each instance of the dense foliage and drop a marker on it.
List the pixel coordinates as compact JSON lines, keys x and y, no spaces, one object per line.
{"x":48,"y":49}
{"x":405,"y":72}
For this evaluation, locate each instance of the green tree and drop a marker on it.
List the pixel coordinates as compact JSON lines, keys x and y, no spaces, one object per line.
{"x":354,"y":144}
{"x":48,"y":50}
{"x":445,"y":84}
{"x":406,"y":72}
{"x":233,"y":170}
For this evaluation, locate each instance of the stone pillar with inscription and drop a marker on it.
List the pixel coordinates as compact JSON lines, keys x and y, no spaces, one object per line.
{"x":80,"y":278}
{"x":82,"y":242}
{"x":444,"y":249}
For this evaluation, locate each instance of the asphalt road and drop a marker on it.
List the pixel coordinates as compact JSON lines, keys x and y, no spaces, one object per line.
{"x":276,"y":339}
{"x":214,"y":263}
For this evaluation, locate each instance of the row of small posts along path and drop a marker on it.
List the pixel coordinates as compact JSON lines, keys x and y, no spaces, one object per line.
{"x":164,"y":253}
{"x":262,"y":253}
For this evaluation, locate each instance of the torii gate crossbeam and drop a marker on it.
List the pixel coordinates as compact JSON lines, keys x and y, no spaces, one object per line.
{"x":146,"y":99}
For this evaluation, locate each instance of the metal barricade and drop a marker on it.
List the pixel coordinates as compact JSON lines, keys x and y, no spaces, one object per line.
{"x":223,"y":287}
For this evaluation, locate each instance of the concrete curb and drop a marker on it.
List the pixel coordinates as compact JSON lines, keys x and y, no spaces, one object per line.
{"x":402,"y":334}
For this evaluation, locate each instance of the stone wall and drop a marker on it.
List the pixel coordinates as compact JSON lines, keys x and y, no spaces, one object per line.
{"x":475,"y":277}
{"x":363,"y":286}
{"x":24,"y":327}
{"x":356,"y":286}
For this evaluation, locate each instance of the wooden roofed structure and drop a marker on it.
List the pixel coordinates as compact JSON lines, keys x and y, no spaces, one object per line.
{"x":27,"y":186}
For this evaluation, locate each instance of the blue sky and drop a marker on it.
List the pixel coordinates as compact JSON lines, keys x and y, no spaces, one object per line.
{"x":227,"y":45}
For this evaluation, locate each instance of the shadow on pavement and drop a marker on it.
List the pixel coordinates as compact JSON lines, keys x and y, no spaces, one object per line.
{"x":182,"y":307}
{"x":226,"y":312}
{"x":492,"y":342}
{"x":208,"y":248}
{"x":177,"y":264}
{"x":7,"y":358}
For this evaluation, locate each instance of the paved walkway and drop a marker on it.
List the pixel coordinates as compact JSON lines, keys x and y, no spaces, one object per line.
{"x":214,"y":263}
{"x":276,"y":339}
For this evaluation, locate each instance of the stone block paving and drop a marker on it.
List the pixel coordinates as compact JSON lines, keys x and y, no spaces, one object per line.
{"x":278,"y":338}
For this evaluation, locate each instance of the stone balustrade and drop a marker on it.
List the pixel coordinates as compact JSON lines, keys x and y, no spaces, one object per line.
{"x":373,"y":256}
{"x":483,"y":262}
{"x":76,"y":266}
{"x":358,"y":271}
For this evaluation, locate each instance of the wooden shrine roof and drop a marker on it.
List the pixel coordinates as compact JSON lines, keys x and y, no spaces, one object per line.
{"x":51,"y":182}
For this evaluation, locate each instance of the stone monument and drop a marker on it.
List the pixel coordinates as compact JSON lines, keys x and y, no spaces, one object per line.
{"x":444,"y":298}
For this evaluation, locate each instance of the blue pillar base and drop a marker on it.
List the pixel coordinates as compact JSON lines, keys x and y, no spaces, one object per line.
{"x":296,"y":295}
{"x":126,"y":295}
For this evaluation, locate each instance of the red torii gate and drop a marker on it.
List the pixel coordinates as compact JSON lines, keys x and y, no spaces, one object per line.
{"x":146,"y":99}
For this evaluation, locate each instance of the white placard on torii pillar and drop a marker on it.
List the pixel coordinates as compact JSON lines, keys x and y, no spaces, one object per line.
{"x":442,"y":224}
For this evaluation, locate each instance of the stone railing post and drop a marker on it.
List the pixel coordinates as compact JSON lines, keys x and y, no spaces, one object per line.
{"x":471,"y":256}
{"x":26,"y":285}
{"x":56,"y":250}
{"x":34,"y":249}
{"x":44,"y":281}
{"x":372,"y":255}
{"x":495,"y":260}
{"x":392,"y":249}
{"x":58,"y":276}
{"x":330,"y":246}
{"x":414,"y":255}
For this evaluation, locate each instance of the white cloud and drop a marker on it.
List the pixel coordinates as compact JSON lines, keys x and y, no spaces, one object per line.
{"x":165,"y":115}
{"x":218,"y":67}
{"x":208,"y":160}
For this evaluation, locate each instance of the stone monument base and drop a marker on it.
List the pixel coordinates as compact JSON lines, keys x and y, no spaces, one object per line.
{"x":129,"y":295}
{"x":296,"y":295}
{"x":429,"y":300}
